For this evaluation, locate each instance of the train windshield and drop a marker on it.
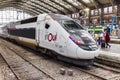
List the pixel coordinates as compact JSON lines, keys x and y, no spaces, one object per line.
{"x":66,"y":22}
{"x":83,"y":40}
{"x":85,"y":36}
{"x":70,"y":24}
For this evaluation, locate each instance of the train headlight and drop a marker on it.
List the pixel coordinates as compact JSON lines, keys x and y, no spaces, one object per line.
{"x":79,"y":42}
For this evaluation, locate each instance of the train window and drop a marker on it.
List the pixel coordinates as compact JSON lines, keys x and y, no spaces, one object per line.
{"x":69,"y":24}
{"x":25,"y":32}
{"x":34,"y":19}
{"x":47,"y":26}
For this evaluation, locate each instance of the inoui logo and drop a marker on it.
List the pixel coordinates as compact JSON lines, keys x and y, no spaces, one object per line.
{"x":51,"y":37}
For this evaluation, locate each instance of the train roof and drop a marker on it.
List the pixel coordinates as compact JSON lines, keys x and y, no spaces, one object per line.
{"x":34,"y":18}
{"x":59,"y":16}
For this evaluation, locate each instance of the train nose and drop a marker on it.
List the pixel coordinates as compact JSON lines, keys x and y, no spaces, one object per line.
{"x":97,"y":52}
{"x":84,"y":54}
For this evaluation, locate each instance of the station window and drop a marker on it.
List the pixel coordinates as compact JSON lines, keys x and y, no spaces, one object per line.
{"x":110,"y":9}
{"x":106,"y":10}
{"x":99,"y":11}
{"x":96,"y":11}
{"x":92,"y":12}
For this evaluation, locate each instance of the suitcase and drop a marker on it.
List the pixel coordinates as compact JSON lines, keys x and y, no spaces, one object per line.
{"x":103,"y":45}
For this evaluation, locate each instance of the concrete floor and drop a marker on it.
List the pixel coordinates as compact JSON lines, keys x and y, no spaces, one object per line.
{"x":115,"y":48}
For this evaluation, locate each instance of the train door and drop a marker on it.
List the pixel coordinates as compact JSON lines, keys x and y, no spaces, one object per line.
{"x":47,"y":35}
{"x":42,"y":34}
{"x":39,"y":32}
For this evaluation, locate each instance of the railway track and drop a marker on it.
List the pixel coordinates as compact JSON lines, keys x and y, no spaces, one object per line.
{"x":5,"y":72}
{"x":22,"y":69}
{"x":103,"y":73}
{"x":108,"y":62}
{"x":99,"y":71}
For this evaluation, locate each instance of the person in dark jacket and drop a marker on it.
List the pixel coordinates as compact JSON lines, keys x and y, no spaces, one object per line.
{"x":107,"y":38}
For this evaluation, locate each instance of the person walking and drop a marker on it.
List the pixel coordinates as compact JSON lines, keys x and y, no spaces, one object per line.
{"x":107,"y":38}
{"x":99,"y":40}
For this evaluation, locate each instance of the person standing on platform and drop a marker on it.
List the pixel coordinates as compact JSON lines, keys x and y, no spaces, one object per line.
{"x":99,"y":40}
{"x":107,"y":38}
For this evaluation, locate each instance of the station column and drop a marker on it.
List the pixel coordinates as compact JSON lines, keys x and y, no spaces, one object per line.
{"x":118,"y":13}
{"x":102,"y":15}
{"x":89,"y":18}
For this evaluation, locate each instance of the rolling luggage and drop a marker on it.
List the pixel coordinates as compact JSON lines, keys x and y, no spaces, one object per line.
{"x":103,"y":45}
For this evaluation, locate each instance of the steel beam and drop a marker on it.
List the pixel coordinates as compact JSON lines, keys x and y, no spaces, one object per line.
{"x":42,"y":6}
{"x":24,"y":3}
{"x":83,"y":3}
{"x":13,"y":4}
{"x":70,"y":11}
{"x":59,"y":10}
{"x":46,"y":11}
{"x":24,"y":9}
{"x":99,"y":4}
{"x":77,"y":8}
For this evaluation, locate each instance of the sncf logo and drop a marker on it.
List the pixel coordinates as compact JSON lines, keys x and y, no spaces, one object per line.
{"x":52,"y":37}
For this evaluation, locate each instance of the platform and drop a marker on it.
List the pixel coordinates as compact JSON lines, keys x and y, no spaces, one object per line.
{"x":115,"y":48}
{"x":110,"y":56}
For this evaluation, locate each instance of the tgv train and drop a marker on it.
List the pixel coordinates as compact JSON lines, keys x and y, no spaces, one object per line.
{"x":56,"y":35}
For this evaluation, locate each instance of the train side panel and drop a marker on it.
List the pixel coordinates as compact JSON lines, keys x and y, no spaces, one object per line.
{"x":46,"y":33}
{"x":24,"y":34}
{"x":52,"y":36}
{"x":4,"y":31}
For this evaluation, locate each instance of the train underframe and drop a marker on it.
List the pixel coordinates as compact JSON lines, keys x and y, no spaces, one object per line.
{"x":78,"y":62}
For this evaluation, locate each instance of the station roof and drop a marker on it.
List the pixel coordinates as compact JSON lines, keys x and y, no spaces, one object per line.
{"x":36,"y":7}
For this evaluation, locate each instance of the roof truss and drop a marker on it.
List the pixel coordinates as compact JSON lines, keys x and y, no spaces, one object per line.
{"x":54,"y":6}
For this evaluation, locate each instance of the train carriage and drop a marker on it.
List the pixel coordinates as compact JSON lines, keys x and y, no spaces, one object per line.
{"x":58,"y":34}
